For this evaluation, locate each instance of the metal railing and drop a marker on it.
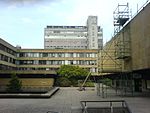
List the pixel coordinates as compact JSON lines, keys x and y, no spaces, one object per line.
{"x":104,"y":104}
{"x":52,"y":112}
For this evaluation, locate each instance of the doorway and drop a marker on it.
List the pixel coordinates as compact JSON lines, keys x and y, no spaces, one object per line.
{"x":138,"y":85}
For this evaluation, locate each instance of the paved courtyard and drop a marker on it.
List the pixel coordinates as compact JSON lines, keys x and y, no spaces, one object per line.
{"x":66,"y":100}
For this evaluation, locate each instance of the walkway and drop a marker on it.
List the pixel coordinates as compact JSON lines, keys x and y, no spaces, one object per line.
{"x":65,"y":101}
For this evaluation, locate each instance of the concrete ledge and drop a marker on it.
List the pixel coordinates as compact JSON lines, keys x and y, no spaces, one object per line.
{"x":30,"y":95}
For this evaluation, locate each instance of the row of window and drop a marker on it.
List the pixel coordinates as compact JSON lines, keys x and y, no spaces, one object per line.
{"x":50,"y":69}
{"x":7,"y":59}
{"x":67,"y":27}
{"x":49,"y":62}
{"x":55,"y":69}
{"x":8,"y":50}
{"x":66,"y":47}
{"x":82,"y":55}
{"x":5,"y":67}
{"x":57,"y":62}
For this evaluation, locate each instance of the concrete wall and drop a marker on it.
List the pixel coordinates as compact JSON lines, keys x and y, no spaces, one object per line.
{"x":140,"y":39}
{"x":132,"y":43}
{"x":30,"y":83}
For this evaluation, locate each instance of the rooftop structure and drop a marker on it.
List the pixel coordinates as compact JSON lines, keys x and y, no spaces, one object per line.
{"x":121,"y":16}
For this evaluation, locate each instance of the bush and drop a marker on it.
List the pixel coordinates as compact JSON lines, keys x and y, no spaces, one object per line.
{"x":63,"y":82}
{"x":87,"y":83}
{"x":107,"y":81}
{"x":72,"y":81}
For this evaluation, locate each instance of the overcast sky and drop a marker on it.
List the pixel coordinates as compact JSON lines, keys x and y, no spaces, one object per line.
{"x":22,"y":22}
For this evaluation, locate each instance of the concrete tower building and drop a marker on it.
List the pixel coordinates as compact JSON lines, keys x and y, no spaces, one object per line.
{"x":92,"y":31}
{"x":74,"y":37}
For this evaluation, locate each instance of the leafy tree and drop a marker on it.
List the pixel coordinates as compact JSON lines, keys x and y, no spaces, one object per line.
{"x":70,"y":71}
{"x":69,"y":75}
{"x":14,"y":84}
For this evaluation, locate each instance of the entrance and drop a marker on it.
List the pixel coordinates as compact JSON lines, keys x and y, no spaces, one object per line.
{"x":138,"y":85}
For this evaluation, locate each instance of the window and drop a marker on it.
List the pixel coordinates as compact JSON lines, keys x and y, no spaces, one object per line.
{"x":92,"y":27}
{"x":45,"y":54}
{"x":53,"y":54}
{"x":81,"y":62}
{"x":92,"y":33}
{"x":71,"y":54}
{"x":74,"y":62}
{"x":71,"y":62}
{"x":56,"y":31}
{"x":66,"y":55}
{"x":93,"y":45}
{"x":81,"y":55}
{"x":58,"y":54}
{"x":35,"y":62}
{"x":42,"y":62}
{"x":36,"y":54}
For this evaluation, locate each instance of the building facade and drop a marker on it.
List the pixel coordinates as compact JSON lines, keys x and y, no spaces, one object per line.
{"x":39,"y":66}
{"x":128,"y":53}
{"x":74,"y":37}
{"x":65,"y":37}
{"x":7,"y":56}
{"x":51,"y":60}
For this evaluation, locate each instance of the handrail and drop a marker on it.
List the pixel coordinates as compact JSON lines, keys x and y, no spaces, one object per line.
{"x":123,"y":104}
{"x":52,"y":112}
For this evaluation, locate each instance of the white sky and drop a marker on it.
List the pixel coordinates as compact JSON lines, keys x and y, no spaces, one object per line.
{"x":22,"y":22}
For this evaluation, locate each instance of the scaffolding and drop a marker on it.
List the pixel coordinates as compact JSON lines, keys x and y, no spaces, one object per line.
{"x":113,"y":56}
{"x":121,"y":16}
{"x":123,"y":36}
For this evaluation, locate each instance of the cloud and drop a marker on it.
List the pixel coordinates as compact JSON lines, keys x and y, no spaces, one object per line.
{"x":21,"y":3}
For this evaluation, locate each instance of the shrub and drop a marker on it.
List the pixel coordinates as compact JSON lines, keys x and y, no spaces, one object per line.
{"x":14,"y":84}
{"x":63,"y":82}
{"x":107,"y":81}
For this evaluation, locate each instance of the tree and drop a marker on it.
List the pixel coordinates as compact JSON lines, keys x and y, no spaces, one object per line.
{"x":70,"y":71}
{"x":69,"y":75}
{"x":14,"y":84}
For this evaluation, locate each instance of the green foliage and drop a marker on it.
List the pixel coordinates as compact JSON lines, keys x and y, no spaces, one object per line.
{"x":87,"y":84}
{"x":14,"y":84}
{"x":63,"y":81}
{"x":107,"y":81}
{"x":70,"y":71}
{"x":69,"y":75}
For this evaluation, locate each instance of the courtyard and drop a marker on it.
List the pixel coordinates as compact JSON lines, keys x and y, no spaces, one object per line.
{"x":67,"y":100}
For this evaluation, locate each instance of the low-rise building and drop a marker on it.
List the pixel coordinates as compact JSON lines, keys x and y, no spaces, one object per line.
{"x":39,"y":66}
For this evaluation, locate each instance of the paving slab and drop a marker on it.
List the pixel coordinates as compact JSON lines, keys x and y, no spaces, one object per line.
{"x":67,"y":100}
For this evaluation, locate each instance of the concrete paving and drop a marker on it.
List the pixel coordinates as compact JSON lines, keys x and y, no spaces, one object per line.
{"x":67,"y":100}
